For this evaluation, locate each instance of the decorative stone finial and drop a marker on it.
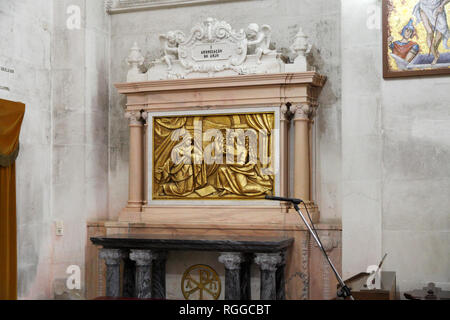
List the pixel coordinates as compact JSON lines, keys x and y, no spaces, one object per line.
{"x":301,"y":45}
{"x":301,"y":48}
{"x":135,"y":60}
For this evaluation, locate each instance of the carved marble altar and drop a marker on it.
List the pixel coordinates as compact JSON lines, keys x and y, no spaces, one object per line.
{"x":220,"y":79}
{"x":149,"y":273}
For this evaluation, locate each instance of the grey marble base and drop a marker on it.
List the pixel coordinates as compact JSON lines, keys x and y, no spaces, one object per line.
{"x":143,"y":259}
{"x":129,"y":279}
{"x":280,"y":278}
{"x":237,"y":275}
{"x":113,"y":258}
{"x":246,"y":266}
{"x":268,"y":263}
{"x":159,"y":275}
{"x":232,"y":262}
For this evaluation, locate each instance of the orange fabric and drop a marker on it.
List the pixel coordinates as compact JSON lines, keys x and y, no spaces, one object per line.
{"x":11,"y":116}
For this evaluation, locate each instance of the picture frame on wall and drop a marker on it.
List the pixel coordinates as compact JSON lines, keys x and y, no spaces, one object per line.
{"x":416,"y":38}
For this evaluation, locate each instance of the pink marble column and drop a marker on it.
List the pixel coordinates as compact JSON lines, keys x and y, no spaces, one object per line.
{"x":302,"y":158}
{"x":285,"y":120}
{"x":136,"y":165}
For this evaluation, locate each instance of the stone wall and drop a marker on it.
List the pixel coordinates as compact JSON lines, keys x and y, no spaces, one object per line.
{"x":395,"y":151}
{"x":80,"y":71}
{"x":25,"y":35}
{"x":62,"y":77}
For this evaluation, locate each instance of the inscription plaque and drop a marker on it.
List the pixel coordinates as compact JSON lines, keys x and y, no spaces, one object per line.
{"x":209,"y":52}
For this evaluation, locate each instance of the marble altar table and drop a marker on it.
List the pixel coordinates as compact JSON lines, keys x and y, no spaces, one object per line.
{"x":144,"y":260}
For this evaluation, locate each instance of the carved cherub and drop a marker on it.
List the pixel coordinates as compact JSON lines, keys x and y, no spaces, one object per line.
{"x":260,"y":38}
{"x":169,"y":43}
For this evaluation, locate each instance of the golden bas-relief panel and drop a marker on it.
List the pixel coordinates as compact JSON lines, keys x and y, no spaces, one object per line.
{"x":213,"y":157}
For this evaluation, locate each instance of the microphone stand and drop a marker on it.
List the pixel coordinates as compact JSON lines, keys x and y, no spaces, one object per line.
{"x":343,"y":291}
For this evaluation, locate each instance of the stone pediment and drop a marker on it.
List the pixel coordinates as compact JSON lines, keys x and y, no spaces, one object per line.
{"x":213,"y":46}
{"x":214,"y":49}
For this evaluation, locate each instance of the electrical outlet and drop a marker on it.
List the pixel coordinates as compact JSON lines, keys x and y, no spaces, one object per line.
{"x":59,"y":228}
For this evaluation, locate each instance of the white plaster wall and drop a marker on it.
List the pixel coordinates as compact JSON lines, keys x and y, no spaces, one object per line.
{"x":80,"y":70}
{"x":25,"y":37}
{"x":361,"y":138}
{"x":62,"y":77}
{"x":396,"y":146}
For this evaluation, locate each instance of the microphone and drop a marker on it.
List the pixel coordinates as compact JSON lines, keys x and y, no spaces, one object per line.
{"x":293,"y":200}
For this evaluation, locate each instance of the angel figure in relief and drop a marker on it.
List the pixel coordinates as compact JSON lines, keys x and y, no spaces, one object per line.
{"x":260,"y":38}
{"x":170,"y":47}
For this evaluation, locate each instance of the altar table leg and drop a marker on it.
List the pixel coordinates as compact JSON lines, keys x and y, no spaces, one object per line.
{"x":268,"y":263}
{"x":246,"y":265}
{"x":143,"y":259}
{"x":129,"y":279}
{"x":280,"y":280}
{"x":232,"y":262}
{"x":112,"y":258}
{"x":159,"y":275}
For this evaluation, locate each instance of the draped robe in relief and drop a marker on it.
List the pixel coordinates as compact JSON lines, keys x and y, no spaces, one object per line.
{"x":249,"y":179}
{"x":179,"y":178}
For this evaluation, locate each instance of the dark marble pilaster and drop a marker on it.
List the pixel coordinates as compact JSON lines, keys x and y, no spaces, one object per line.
{"x":112,"y":258}
{"x":246,"y":265}
{"x":280,"y":278}
{"x":129,"y":279}
{"x":232,"y":262}
{"x":159,"y":275}
{"x":143,"y":259}
{"x":268,"y":263}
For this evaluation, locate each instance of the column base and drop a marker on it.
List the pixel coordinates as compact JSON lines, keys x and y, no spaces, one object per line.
{"x":130,"y":214}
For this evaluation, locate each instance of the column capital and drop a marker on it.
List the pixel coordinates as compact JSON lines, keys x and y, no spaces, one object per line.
{"x":304,"y":111}
{"x":231,"y":260}
{"x":144,"y":115}
{"x":134,"y":117}
{"x":268,"y":261}
{"x":142,"y":257}
{"x":111,"y":256}
{"x":286,"y":113}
